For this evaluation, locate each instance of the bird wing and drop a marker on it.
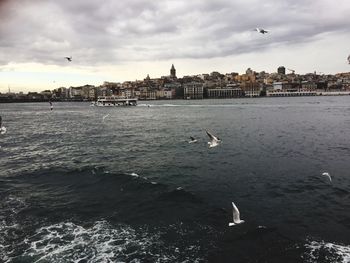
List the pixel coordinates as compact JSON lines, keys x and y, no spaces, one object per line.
{"x":328,"y":175}
{"x":211,"y":136}
{"x":236,"y":216}
{"x":192,"y":138}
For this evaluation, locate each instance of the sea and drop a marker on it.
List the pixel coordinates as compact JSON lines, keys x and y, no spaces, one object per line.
{"x":122,"y":184}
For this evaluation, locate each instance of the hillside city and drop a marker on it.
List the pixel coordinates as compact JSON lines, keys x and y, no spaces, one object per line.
{"x":284,"y":82}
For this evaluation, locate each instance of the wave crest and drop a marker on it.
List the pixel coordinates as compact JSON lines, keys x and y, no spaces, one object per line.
{"x":321,"y":251}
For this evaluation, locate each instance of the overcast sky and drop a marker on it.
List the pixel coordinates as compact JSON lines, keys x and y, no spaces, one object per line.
{"x":115,"y":40}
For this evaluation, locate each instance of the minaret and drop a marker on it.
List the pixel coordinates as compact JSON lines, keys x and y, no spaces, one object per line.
{"x":172,"y":72}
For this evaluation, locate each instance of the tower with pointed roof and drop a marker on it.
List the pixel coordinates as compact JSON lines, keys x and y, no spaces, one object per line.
{"x":172,"y":72}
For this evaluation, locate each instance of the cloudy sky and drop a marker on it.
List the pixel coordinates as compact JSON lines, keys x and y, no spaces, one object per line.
{"x":117,"y":40}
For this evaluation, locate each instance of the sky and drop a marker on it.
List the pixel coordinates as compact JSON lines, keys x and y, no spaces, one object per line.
{"x":117,"y":41}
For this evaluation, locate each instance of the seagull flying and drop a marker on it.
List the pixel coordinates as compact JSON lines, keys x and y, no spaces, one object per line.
{"x":236,"y":219}
{"x":104,"y":117}
{"x":328,"y":175}
{"x":2,"y":128}
{"x":69,"y":58}
{"x":261,"y":30}
{"x":193,"y":140}
{"x":214,"y":141}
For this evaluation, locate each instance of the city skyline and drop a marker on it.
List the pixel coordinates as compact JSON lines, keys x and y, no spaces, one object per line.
{"x":126,"y":41}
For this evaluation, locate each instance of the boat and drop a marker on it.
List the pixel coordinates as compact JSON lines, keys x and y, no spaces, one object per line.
{"x":111,"y":101}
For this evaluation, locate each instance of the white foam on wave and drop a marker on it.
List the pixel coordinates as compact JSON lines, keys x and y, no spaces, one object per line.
{"x":9,"y":227}
{"x":68,"y":242}
{"x":134,"y":175}
{"x":321,"y":251}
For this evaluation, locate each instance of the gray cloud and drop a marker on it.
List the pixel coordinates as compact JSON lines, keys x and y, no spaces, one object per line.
{"x":112,"y":32}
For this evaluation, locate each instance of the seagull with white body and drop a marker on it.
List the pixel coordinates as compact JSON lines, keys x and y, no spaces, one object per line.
{"x":2,"y":128}
{"x":236,"y":216}
{"x":328,"y":175}
{"x":104,"y":117}
{"x":193,"y":140}
{"x":261,"y":30}
{"x":214,"y":141}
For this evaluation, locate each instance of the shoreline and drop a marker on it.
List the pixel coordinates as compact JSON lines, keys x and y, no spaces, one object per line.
{"x":269,"y":95}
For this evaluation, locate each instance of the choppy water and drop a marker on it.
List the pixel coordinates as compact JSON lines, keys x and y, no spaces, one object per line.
{"x":75,"y":188}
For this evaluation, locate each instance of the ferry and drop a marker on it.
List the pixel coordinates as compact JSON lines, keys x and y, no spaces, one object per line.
{"x":111,"y":101}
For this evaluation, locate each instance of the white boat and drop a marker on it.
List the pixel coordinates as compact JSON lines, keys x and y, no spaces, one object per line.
{"x":111,"y":101}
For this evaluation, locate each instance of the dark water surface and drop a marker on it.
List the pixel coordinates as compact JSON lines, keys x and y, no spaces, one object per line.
{"x":75,"y":188}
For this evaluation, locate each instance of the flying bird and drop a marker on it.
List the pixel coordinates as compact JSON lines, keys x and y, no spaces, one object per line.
{"x":214,"y":141}
{"x":261,"y":30}
{"x":328,"y":175}
{"x":104,"y":117}
{"x":2,"y":128}
{"x":349,"y":59}
{"x":236,"y":217}
{"x":193,"y":140}
{"x":69,"y":58}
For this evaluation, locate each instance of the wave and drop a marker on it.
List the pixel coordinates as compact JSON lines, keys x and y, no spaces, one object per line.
{"x":321,"y":251}
{"x":25,"y":240}
{"x":100,"y":242}
{"x":126,"y":218}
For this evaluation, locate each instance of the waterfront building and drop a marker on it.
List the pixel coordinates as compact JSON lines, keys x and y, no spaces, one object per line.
{"x":193,"y":90}
{"x":252,"y":93}
{"x":227,"y":92}
{"x":92,"y":93}
{"x":127,"y":93}
{"x":281,"y":93}
{"x":277,"y":85}
{"x":75,"y":92}
{"x":308,"y":85}
{"x":169,"y":94}
{"x":62,"y":93}
{"x":105,"y":91}
{"x":46,"y":94}
{"x":147,"y":94}
{"x":251,"y":89}
{"x":288,"y":86}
